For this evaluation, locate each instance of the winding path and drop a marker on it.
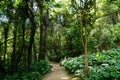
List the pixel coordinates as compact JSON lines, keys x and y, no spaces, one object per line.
{"x":57,"y":73}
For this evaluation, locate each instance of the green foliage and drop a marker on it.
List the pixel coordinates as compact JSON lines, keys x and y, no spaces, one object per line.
{"x":102,"y":66}
{"x":55,"y":57}
{"x":66,"y":28}
{"x":105,"y":37}
{"x":24,"y":76}
{"x":37,"y":70}
{"x":72,"y":64}
{"x":41,"y":66}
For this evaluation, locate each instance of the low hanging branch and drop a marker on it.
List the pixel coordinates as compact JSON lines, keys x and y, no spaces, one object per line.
{"x":118,"y":11}
{"x":1,"y":43}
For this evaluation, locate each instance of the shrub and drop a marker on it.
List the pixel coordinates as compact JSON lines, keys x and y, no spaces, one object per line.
{"x":102,"y":65}
{"x":41,"y":66}
{"x":37,"y":70}
{"x":24,"y":76}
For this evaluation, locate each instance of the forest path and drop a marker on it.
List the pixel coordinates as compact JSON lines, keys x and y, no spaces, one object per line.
{"x":57,"y":73}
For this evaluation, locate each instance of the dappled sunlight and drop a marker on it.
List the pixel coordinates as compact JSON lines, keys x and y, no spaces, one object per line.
{"x":59,"y":39}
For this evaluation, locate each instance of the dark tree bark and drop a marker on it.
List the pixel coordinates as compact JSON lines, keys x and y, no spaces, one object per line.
{"x":22,"y":43}
{"x":44,"y":22}
{"x":31,"y":41}
{"x":42,"y":34}
{"x":23,"y":38}
{"x":14,"y":64}
{"x":34,"y":51}
{"x":6,"y":29}
{"x":32,"y":33}
{"x":69,"y":45}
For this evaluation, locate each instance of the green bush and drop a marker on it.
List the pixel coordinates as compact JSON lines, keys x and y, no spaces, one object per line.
{"x":31,"y":76}
{"x":102,"y":65}
{"x":37,"y":70}
{"x":41,"y":66}
{"x":24,"y":76}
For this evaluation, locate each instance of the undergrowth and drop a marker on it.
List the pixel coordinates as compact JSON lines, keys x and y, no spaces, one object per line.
{"x":102,"y":65}
{"x":37,"y":70}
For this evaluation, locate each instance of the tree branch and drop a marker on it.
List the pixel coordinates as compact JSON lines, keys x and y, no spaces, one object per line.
{"x":107,"y":14}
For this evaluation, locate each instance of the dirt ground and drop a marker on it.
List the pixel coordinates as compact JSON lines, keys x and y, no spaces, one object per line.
{"x":57,"y":73}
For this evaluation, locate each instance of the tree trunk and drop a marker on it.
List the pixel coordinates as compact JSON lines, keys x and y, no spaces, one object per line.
{"x":31,"y":41}
{"x":22,"y":45}
{"x":13,"y":66}
{"x":34,"y":51}
{"x":42,"y":47}
{"x":32,"y":33}
{"x":6,"y":29}
{"x":84,"y":38}
{"x":86,"y":58}
{"x":43,"y":28}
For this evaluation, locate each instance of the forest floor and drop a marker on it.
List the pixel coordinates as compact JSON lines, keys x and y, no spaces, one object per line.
{"x":57,"y":73}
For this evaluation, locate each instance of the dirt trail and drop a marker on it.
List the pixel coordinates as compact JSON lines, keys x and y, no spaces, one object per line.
{"x":57,"y":73}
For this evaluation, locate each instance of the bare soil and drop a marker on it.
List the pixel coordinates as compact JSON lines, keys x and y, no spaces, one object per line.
{"x":57,"y":73}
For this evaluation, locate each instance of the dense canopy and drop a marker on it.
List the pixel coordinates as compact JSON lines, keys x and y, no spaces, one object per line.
{"x":34,"y":32}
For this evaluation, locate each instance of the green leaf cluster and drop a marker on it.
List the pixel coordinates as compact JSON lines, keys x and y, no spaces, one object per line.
{"x":41,"y":66}
{"x":103,"y":65}
{"x":37,"y":70}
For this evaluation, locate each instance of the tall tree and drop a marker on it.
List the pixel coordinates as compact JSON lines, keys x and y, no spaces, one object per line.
{"x":86,"y":25}
{"x":14,"y":54}
{"x":6,"y":29}
{"x":32,"y":31}
{"x":44,"y":22}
